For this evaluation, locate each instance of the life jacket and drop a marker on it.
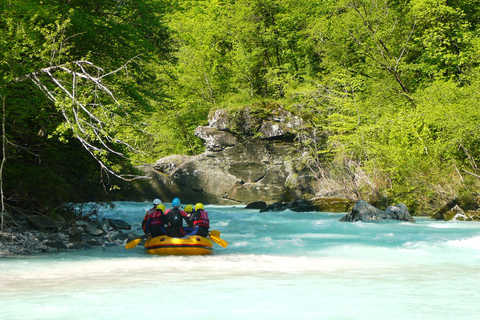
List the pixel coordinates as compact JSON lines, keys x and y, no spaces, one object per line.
{"x":201,"y":219}
{"x":145,"y":219}
{"x":155,"y":217}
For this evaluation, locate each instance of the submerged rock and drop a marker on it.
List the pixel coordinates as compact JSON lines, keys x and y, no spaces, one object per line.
{"x":256,"y":205}
{"x":363,"y":211}
{"x":296,"y":206}
{"x":317,"y":205}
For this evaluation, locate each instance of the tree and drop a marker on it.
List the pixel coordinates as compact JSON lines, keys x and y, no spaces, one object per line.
{"x":57,"y":97}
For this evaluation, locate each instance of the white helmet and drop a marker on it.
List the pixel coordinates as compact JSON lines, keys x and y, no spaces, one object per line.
{"x":157,"y":202}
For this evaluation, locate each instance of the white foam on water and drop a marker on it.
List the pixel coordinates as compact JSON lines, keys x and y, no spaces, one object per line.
{"x":304,"y":266}
{"x":469,"y":243}
{"x":222,"y":224}
{"x":241,"y":244}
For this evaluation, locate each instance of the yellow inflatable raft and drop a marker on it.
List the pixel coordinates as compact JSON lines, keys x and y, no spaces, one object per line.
{"x":190,"y":245}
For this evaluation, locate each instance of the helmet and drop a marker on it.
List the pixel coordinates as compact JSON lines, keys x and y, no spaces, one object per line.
{"x":176,"y":202}
{"x":199,"y":206}
{"x":188,"y":208}
{"x":157,"y":201}
{"x":161,"y":207}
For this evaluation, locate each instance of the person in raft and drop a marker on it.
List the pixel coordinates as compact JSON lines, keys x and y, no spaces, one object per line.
{"x":174,"y":218}
{"x":188,"y":210}
{"x":154,"y":221}
{"x":200,"y":221}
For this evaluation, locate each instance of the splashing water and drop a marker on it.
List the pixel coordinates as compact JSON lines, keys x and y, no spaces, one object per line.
{"x":277,"y":266}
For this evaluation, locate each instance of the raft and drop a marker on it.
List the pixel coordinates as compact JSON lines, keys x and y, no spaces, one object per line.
{"x":190,"y":245}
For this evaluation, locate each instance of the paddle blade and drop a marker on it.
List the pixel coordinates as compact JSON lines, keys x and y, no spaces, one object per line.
{"x":133,"y":243}
{"x":215,"y":233}
{"x":218,"y":241}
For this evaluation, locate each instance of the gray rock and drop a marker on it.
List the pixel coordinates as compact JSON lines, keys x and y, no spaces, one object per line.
{"x":90,"y":229}
{"x":94,"y":243}
{"x":104,"y":225}
{"x":133,"y":236}
{"x":118,"y":224}
{"x":363,"y":211}
{"x":215,"y":140}
{"x":57,"y":244}
{"x":75,"y":234}
{"x":169,"y":164}
{"x":256,"y":205}
{"x":455,"y":214}
{"x":81,"y":223}
{"x":250,"y":156}
{"x":118,"y":236}
{"x":296,"y":206}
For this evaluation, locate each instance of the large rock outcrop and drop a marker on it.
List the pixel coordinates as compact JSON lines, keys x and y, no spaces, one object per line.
{"x":250,"y":156}
{"x":363,"y":211}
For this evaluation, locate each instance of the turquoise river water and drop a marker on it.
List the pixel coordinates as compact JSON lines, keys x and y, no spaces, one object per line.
{"x":282,"y":265}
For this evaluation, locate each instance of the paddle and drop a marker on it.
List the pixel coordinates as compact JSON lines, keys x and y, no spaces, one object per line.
{"x":133,"y":243}
{"x":218,"y":240}
{"x":216,"y":233}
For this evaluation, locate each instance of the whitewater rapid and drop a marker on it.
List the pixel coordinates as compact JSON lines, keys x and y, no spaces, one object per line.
{"x":277,"y":266}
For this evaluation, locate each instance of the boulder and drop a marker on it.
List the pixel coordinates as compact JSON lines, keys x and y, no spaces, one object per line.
{"x":363,"y":211}
{"x":104,"y":225}
{"x":440,"y":214}
{"x":118,"y":224}
{"x":75,"y":234}
{"x":92,"y":230}
{"x":256,"y":205}
{"x":297,"y":206}
{"x":118,"y":236}
{"x":250,"y":156}
{"x":455,"y":214}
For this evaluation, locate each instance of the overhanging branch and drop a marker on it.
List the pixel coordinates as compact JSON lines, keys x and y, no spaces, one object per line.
{"x":89,"y":115}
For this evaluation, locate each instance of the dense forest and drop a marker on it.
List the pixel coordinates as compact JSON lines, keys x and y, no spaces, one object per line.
{"x":389,"y":91}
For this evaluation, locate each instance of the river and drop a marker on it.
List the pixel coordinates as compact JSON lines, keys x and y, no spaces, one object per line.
{"x":282,"y":265}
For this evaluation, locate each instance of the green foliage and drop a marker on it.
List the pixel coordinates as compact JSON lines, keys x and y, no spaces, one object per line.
{"x":54,"y":60}
{"x":389,"y":86}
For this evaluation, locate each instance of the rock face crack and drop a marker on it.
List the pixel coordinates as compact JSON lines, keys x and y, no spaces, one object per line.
{"x":261,"y":178}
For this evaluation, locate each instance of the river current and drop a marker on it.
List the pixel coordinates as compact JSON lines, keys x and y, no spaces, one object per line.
{"x":282,"y":265}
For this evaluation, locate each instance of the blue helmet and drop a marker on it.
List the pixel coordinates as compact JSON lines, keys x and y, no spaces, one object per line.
{"x":176,"y":202}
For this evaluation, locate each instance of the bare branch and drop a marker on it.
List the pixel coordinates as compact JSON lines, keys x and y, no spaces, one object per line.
{"x":89,"y":120}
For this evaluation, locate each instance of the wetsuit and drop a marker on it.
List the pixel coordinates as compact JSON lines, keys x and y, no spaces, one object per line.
{"x":174,"y":218}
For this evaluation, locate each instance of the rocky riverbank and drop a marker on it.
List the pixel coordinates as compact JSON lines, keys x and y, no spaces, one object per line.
{"x":81,"y":235}
{"x":41,"y":234}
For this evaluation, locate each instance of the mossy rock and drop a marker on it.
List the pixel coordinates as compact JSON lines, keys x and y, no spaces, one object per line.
{"x":248,"y":120}
{"x":333,"y":204}
{"x":473,"y":215}
{"x":456,"y":213}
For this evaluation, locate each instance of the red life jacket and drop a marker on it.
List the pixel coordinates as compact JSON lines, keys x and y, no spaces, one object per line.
{"x":155,"y":217}
{"x":145,"y":219}
{"x":201,"y":219}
